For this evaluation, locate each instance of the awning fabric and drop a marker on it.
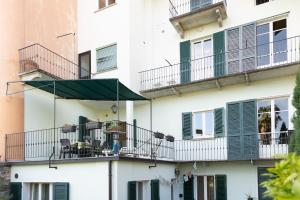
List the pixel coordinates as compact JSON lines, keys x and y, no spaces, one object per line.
{"x":91,"y":89}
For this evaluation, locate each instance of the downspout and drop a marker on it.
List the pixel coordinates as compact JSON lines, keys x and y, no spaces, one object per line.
{"x":110,"y":180}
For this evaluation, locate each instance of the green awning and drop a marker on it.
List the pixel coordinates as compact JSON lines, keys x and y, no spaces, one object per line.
{"x":92,"y":89}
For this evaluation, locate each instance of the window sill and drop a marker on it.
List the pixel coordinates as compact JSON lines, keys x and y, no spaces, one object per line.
{"x":103,"y":71}
{"x":100,"y":9}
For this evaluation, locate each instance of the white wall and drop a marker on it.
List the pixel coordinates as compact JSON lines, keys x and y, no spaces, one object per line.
{"x":241,"y":177}
{"x":87,"y":180}
{"x":167,"y":111}
{"x":39,"y":109}
{"x":139,"y":171}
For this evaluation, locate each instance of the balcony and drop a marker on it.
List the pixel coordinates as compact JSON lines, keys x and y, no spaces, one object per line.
{"x":94,"y":141}
{"x":37,"y":58}
{"x":188,"y":14}
{"x":222,"y":149}
{"x":228,"y":68}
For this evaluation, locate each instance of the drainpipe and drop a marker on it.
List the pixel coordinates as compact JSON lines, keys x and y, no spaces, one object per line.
{"x":109,"y":180}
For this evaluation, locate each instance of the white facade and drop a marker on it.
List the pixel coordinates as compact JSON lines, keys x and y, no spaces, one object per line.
{"x":146,"y":39}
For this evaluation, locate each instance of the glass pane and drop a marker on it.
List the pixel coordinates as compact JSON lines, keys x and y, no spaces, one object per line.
{"x":106,"y":58}
{"x":84,"y":65}
{"x":264,"y":123}
{"x":197,"y":48}
{"x":262,"y":29}
{"x":111,"y":2}
{"x":281,"y":121}
{"x":102,"y":4}
{"x":263,"y":49}
{"x":264,"y":106}
{"x":45,"y":192}
{"x":207,"y":48}
{"x":198,"y":123}
{"x":280,"y":46}
{"x":264,"y":60}
{"x":281,"y":24}
{"x":209,"y":122}
{"x":281,"y":104}
{"x":210,"y":188}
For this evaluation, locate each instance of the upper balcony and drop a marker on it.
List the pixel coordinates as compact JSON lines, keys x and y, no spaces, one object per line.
{"x":188,"y":14}
{"x":269,"y":60}
{"x":37,"y":58}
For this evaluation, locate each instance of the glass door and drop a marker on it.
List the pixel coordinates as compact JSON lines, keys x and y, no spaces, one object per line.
{"x":85,"y":65}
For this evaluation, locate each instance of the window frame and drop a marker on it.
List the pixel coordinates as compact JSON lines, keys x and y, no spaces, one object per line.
{"x":107,"y":4}
{"x":271,"y":32}
{"x":111,"y":68}
{"x":205,"y":134}
{"x":273,"y":132}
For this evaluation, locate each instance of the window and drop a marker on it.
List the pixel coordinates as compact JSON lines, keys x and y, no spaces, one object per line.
{"x":271,"y":42}
{"x":39,"y":191}
{"x":273,"y":121}
{"x":105,"y":3}
{"x":203,"y":124}
{"x":258,"y":2}
{"x":106,"y":58}
{"x":202,"y":59}
{"x":211,"y":187}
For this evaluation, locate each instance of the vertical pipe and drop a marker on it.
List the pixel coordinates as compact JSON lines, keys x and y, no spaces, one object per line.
{"x":151,"y":128}
{"x":110,"y":180}
{"x":54,"y":116}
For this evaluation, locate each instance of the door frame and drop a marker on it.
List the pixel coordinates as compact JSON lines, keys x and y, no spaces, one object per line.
{"x":79,"y":63}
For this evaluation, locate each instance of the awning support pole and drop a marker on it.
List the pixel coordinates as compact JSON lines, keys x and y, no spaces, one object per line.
{"x":54,"y":126}
{"x":118,"y":103}
{"x":151,"y":129}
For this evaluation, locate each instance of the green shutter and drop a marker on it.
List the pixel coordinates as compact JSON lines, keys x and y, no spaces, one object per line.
{"x":234,"y":137}
{"x":242,"y":130}
{"x":132,"y":190}
{"x":219,"y":122}
{"x":155,"y":190}
{"x":61,"y":191}
{"x":82,"y":128}
{"x":187,"y":126}
{"x":185,"y":62}
{"x":15,"y":190}
{"x":261,"y":178}
{"x":188,"y":189}
{"x":219,"y":53}
{"x":250,"y":131}
{"x":134,"y":133}
{"x":221,"y":187}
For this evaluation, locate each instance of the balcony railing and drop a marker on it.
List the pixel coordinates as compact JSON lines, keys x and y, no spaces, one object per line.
{"x":253,"y":58}
{"x":224,"y":148}
{"x":181,"y":7}
{"x":77,"y":142}
{"x":38,"y":57}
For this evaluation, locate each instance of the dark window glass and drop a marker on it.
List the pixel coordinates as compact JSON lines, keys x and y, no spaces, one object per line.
{"x":263,"y":29}
{"x":281,"y":24}
{"x":263,"y":45}
{"x":258,"y":2}
{"x":281,"y":104}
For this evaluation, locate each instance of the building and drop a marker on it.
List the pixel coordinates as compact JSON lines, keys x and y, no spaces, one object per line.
{"x":218,"y":79}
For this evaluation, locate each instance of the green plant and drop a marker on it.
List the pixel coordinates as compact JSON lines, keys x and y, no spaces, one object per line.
{"x":294,"y":145}
{"x":284,"y":179}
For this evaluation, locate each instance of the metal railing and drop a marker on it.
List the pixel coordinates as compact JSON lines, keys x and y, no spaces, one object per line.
{"x":38,"y":57}
{"x":132,"y":141}
{"x":236,"y":61}
{"x":180,"y":7}
{"x":253,"y":147}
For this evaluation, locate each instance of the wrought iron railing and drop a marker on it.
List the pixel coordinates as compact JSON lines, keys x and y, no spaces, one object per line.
{"x":77,"y":142}
{"x":180,"y":7}
{"x":38,"y":57}
{"x":247,"y":147}
{"x":252,"y":58}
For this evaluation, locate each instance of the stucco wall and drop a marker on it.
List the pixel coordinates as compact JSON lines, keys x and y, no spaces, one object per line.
{"x":139,"y":171}
{"x":87,"y":180}
{"x":167,"y":111}
{"x":241,"y":177}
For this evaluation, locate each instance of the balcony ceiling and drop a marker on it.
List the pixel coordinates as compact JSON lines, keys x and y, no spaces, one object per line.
{"x":219,"y":82}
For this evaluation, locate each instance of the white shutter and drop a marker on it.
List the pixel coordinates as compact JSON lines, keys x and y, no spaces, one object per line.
{"x":233,"y":46}
{"x":248,"y":47}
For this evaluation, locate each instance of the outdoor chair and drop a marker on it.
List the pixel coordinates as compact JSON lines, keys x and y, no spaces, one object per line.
{"x":65,"y":148}
{"x":97,"y":148}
